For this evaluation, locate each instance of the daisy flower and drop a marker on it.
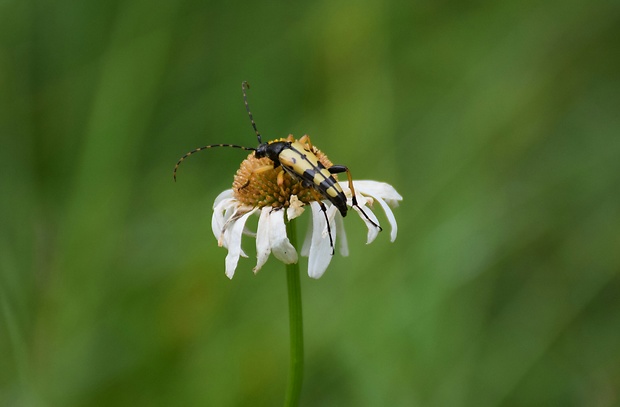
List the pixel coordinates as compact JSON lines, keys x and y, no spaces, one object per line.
{"x":276,"y":198}
{"x":278,"y":182}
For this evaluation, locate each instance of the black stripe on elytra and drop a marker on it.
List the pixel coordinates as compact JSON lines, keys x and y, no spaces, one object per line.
{"x":327,"y":184}
{"x":314,"y":168}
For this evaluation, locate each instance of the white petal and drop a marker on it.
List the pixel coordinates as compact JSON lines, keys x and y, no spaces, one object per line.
{"x":216,"y":224}
{"x":387,"y":197}
{"x":373,"y":231}
{"x":281,"y":247}
{"x":391,"y":218}
{"x":234,"y":243}
{"x":378,"y":190}
{"x":320,"y":254}
{"x":263,"y":249}
{"x":331,"y":215}
{"x":227,"y":194}
{"x":343,"y":247}
{"x":248,"y":232}
{"x":222,"y":210}
{"x":230,"y":216}
{"x":305,"y":248}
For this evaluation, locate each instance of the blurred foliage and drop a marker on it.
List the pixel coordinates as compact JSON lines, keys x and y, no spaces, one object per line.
{"x":497,"y":121}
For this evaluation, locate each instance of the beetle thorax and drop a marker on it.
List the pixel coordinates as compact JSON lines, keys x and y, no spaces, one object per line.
{"x":271,"y":150}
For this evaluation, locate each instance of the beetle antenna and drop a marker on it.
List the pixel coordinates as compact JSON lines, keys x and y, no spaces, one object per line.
{"x":244,"y":86}
{"x":174,"y":173}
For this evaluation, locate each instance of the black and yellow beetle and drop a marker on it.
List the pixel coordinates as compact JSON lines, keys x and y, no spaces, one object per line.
{"x":297,"y":158}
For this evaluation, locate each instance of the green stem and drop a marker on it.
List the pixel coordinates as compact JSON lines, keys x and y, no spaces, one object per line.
{"x":296,"y":366}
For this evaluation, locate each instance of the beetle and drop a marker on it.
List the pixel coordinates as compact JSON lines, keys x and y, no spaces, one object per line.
{"x":297,"y":158}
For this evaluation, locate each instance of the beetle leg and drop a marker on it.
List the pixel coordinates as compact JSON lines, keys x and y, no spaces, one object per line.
{"x":306,"y":140}
{"x":337,"y":169}
{"x":319,"y":198}
{"x":280,"y":180}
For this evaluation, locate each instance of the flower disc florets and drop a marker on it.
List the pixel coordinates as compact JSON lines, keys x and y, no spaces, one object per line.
{"x":256,"y":184}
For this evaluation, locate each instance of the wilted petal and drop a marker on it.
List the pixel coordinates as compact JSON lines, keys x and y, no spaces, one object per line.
{"x":234,"y":243}
{"x":281,"y":247}
{"x":373,"y":230}
{"x":232,"y":215}
{"x":378,"y":190}
{"x":263,"y":248}
{"x":391,"y":218}
{"x":387,"y":197}
{"x":320,"y":254}
{"x":248,"y":232}
{"x":222,"y":211}
{"x":227,"y":194}
{"x":295,"y":208}
{"x":218,"y":223}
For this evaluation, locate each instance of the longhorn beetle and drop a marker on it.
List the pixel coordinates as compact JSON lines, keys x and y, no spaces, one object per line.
{"x":297,"y":158}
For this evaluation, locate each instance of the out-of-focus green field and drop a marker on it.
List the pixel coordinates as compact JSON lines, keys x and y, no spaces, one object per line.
{"x":498,"y":122}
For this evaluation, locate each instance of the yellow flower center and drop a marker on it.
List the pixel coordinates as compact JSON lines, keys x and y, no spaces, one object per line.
{"x":256,"y":184}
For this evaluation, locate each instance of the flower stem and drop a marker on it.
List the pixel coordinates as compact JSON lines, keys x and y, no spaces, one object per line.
{"x":296,"y":366}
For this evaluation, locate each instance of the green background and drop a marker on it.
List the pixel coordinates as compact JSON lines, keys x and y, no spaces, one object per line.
{"x":498,"y":122}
